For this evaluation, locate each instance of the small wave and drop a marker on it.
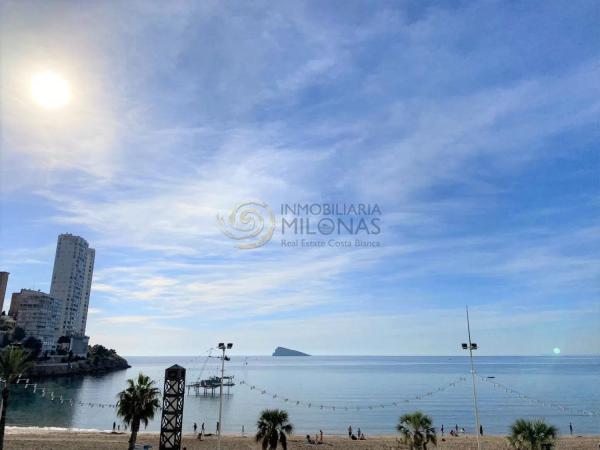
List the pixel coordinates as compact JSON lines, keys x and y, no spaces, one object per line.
{"x":24,"y":430}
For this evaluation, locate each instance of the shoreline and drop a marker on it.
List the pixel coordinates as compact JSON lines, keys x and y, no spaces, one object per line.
{"x":20,"y":430}
{"x":32,"y":438}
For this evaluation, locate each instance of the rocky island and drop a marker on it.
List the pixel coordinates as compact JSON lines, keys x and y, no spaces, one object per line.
{"x":282,"y":351}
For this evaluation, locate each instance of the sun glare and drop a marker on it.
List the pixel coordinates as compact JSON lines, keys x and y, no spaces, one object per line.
{"x":50,"y":90}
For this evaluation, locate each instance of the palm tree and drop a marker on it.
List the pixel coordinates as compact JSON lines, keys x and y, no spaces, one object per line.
{"x":417,"y":431}
{"x":532,"y":435}
{"x":272,"y":427}
{"x":137,"y":404}
{"x":13,"y":362}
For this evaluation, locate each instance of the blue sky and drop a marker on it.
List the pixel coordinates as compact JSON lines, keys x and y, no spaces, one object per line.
{"x":473,"y":125}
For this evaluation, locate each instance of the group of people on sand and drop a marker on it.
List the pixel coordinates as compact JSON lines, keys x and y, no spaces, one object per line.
{"x":457,"y":432}
{"x":317,"y":440}
{"x":359,"y":436}
{"x":319,"y":436}
{"x":202,"y":429}
{"x":117,"y":427}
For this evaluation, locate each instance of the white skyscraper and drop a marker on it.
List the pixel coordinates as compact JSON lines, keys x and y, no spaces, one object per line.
{"x":72,"y":282}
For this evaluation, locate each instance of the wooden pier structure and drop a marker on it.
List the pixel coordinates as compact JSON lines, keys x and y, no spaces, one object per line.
{"x":210,"y":386}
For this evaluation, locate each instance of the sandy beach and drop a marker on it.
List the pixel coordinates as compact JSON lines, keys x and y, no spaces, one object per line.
{"x":64,"y":440}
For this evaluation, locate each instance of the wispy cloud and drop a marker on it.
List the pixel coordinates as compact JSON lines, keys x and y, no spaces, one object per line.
{"x":471,"y":131}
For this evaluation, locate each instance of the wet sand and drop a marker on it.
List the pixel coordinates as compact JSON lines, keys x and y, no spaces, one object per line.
{"x":65,"y":440}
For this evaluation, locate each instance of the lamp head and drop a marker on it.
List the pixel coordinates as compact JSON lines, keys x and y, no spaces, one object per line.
{"x":229,"y":345}
{"x":465,"y":346}
{"x":221,"y":345}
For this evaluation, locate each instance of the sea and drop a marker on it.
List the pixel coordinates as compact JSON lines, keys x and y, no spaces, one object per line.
{"x":330,"y":393}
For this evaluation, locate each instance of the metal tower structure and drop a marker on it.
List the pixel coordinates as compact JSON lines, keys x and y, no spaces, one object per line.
{"x":172,"y":410}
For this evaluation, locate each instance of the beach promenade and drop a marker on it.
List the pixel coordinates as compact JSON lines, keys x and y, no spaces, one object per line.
{"x":54,"y":440}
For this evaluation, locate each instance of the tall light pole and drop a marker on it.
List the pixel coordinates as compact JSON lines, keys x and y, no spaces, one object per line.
{"x":224,"y":358}
{"x":473,"y":346}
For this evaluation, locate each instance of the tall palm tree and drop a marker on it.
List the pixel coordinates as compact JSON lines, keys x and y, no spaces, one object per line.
{"x":272,"y":427}
{"x":137,"y":404}
{"x":532,"y":435}
{"x":417,"y":430}
{"x":13,"y":362}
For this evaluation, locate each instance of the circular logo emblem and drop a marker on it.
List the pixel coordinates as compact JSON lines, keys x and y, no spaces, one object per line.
{"x":250,"y":222}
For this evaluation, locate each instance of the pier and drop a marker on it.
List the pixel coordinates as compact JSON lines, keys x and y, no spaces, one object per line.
{"x":210,"y":386}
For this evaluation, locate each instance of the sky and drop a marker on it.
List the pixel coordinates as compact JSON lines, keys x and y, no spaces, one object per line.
{"x":472,"y":125}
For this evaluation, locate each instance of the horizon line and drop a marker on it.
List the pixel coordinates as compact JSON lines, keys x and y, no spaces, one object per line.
{"x":386,"y":355}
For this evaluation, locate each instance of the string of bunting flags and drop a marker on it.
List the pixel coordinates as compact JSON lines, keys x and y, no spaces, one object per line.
{"x":310,"y":404}
{"x":520,"y":395}
{"x":48,"y":393}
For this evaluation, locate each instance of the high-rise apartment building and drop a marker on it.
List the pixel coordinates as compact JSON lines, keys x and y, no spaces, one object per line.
{"x":72,"y":282}
{"x":3,"y":284}
{"x":39,"y":315}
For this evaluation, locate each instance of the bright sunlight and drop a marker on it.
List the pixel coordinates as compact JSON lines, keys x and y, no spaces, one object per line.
{"x":50,"y":90}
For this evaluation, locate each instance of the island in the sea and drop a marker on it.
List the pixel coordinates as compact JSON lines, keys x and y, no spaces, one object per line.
{"x":282,"y":351}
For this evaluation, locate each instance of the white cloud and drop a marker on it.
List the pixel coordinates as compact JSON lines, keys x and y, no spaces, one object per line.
{"x":287,"y":105}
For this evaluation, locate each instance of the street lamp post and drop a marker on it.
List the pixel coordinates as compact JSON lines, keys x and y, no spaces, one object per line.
{"x":223,"y":347}
{"x":473,"y":346}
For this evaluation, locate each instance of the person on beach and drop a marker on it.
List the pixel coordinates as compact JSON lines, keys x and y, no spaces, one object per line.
{"x":350,"y":432}
{"x":321,"y":436}
{"x":195,"y":427}
{"x":358,"y":432}
{"x":456,"y":429}
{"x":481,"y":430}
{"x":115,"y":426}
{"x":202,"y":428}
{"x":571,"y":428}
{"x":118,"y":427}
{"x":442,"y":429}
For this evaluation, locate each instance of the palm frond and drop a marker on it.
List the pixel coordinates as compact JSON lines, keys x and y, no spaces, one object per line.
{"x":532,"y":435}
{"x":14,"y":362}
{"x":271,"y":427}
{"x":141,"y":400}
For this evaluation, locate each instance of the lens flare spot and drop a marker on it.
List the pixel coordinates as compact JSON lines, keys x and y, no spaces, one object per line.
{"x":556,"y":351}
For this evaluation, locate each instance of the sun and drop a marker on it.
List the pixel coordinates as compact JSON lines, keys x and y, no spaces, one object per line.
{"x":50,"y":90}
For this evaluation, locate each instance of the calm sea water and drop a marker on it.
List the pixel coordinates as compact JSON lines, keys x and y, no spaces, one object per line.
{"x":344,"y":382}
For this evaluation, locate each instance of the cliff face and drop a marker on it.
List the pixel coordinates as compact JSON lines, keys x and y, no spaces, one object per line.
{"x":84,"y":367}
{"x":282,"y":351}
